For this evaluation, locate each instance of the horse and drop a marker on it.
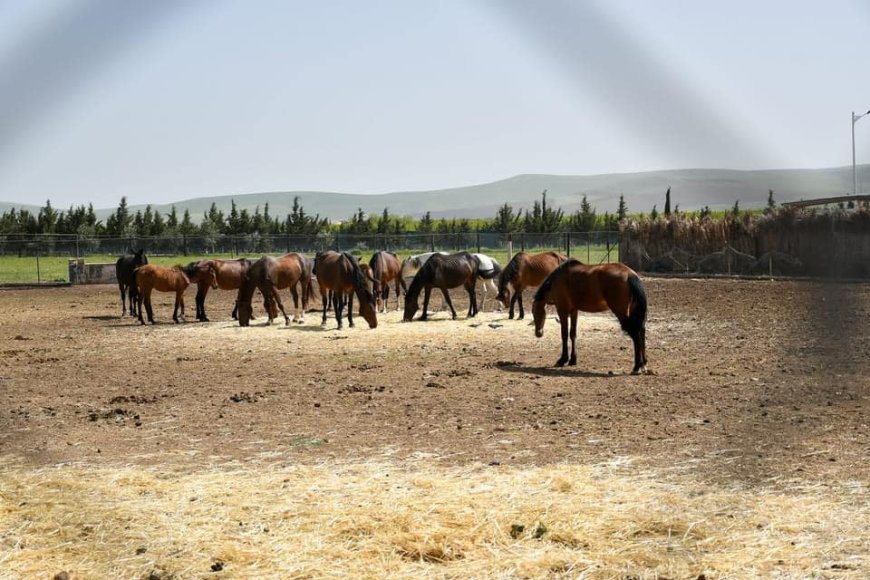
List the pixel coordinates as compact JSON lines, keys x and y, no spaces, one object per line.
{"x":153,"y":277}
{"x":574,"y":286}
{"x":443,"y":272}
{"x":412,"y":264}
{"x":489,"y":269}
{"x":524,"y":271}
{"x":385,"y":267}
{"x":125,"y":273}
{"x":270,"y":275}
{"x":340,"y":277}
{"x":226,"y":275}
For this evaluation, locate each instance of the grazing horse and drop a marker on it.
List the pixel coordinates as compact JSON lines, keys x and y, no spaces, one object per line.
{"x":226,"y":275}
{"x":574,"y":286}
{"x":125,"y":273}
{"x":153,"y":277}
{"x":412,"y":264}
{"x":340,"y":277}
{"x":443,"y":272}
{"x":524,"y":271}
{"x":270,"y":275}
{"x":385,"y":267}
{"x":488,"y":270}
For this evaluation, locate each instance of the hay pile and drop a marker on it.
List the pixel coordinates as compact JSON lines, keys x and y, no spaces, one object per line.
{"x":380,"y":519}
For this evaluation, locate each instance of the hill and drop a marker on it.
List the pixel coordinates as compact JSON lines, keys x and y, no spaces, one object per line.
{"x":691,"y":189}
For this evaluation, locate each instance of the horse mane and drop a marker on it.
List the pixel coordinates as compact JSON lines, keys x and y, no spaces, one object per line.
{"x":509,"y":272}
{"x":547,"y":285}
{"x":423,"y":275}
{"x":359,"y":279}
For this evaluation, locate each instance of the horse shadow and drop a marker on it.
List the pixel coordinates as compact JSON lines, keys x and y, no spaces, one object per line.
{"x":105,"y":317}
{"x":557,"y":371}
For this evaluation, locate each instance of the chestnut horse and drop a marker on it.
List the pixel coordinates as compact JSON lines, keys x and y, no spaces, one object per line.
{"x":153,"y":277}
{"x":125,"y":273}
{"x":574,"y":286}
{"x":340,"y":276}
{"x":270,"y":275}
{"x":525,"y":271}
{"x":227,"y":275}
{"x":443,"y":272}
{"x":385,"y":267}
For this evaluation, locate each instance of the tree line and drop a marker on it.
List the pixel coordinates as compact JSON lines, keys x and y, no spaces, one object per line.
{"x":542,"y":217}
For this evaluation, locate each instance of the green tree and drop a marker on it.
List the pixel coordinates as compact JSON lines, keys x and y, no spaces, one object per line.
{"x":668,"y":203}
{"x":425,"y":225}
{"x":506,"y":220}
{"x":622,"y":210}
{"x":654,"y":214}
{"x":735,"y":211}
{"x":585,"y":219}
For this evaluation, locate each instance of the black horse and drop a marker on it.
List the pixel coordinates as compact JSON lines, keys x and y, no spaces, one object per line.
{"x":443,"y":272}
{"x":125,"y":269}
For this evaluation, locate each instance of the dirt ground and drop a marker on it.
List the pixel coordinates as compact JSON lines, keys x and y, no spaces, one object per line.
{"x":756,"y":382}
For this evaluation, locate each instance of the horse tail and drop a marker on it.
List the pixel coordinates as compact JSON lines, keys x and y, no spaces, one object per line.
{"x":637,"y":312}
{"x":509,"y":273}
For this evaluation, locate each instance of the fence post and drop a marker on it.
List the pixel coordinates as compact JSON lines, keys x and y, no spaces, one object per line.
{"x":38,"y":277}
{"x":288,"y":243}
{"x":588,"y":250}
{"x":523,"y":242}
{"x":431,"y":242}
{"x":568,"y":244}
{"x":510,"y":247}
{"x":478,"y":240}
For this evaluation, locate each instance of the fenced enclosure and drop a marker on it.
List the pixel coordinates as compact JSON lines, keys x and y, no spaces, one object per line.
{"x":40,"y":259}
{"x":787,"y":243}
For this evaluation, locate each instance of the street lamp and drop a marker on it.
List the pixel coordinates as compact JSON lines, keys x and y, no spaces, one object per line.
{"x":854,"y":172}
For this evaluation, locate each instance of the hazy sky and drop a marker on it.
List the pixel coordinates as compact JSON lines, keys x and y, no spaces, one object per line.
{"x":166,"y":100}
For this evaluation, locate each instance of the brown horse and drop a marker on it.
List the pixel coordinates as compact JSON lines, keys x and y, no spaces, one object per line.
{"x":153,"y":277}
{"x":226,"y":275}
{"x":443,"y":272}
{"x":270,"y":275}
{"x":341,"y":276}
{"x":525,"y":271}
{"x":384,"y":268}
{"x":574,"y":286}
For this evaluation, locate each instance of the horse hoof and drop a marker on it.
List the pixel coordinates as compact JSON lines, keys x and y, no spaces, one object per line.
{"x":572,"y":362}
{"x":561,"y":362}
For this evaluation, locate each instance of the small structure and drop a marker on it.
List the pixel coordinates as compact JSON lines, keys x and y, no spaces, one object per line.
{"x":81,"y":273}
{"x":858,"y":200}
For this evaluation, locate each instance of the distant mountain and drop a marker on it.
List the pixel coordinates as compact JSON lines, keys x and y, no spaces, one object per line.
{"x":690,"y":188}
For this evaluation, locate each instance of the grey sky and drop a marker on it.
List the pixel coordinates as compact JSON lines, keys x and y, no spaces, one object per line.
{"x":163,"y":100}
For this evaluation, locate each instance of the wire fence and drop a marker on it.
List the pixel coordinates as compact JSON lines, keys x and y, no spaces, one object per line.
{"x":42,"y":259}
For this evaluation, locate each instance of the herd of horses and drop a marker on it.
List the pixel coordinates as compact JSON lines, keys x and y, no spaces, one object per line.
{"x":565,"y":283}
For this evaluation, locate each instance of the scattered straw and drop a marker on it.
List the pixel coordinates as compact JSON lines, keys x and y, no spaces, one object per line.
{"x":419,"y":519}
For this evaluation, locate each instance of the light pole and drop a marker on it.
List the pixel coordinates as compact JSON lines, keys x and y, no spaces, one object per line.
{"x":854,"y":172}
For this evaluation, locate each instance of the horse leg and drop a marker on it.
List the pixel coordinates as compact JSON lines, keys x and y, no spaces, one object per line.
{"x":449,"y":302}
{"x":350,"y":309}
{"x":148,"y":305}
{"x":324,"y":296}
{"x":398,"y":304}
{"x":277,"y":297}
{"x":295,"y":294}
{"x":514,"y":298}
{"x":522,"y":310}
{"x":141,"y":320}
{"x":638,"y":337}
{"x":201,"y":293}
{"x":337,"y":306}
{"x":175,"y":308}
{"x":563,"y":320}
{"x":427,"y":293}
{"x":573,"y":360}
{"x":385,"y":297}
{"x":472,"y":299}
{"x":123,"y":300}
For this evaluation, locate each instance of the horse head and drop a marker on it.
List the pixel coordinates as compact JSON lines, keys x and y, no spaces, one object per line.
{"x":411,"y":308}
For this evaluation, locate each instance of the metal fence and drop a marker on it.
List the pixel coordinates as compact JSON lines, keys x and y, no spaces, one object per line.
{"x":44,"y":258}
